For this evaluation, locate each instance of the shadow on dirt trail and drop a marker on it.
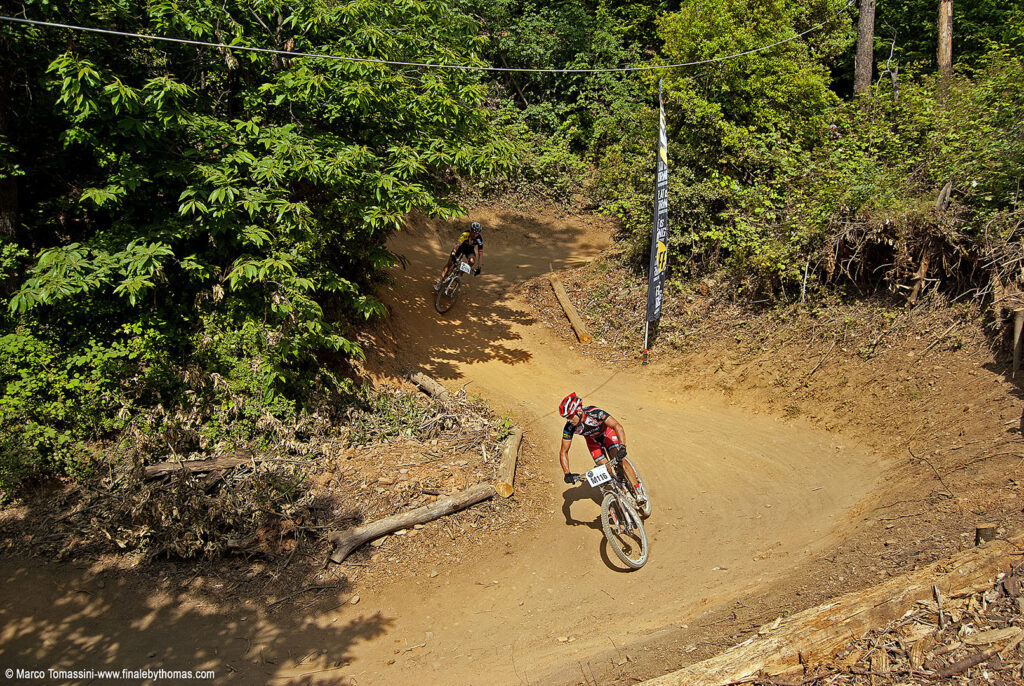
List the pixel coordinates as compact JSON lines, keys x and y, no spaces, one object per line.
{"x":482,"y":326}
{"x":68,"y":618}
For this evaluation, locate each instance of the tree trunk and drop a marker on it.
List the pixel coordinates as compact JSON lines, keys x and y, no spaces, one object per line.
{"x":864,"y":62}
{"x":817,"y":633}
{"x":945,"y":51}
{"x":347,"y":541}
{"x":8,"y":184}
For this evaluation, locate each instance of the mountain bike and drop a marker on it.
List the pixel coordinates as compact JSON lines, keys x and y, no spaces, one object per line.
{"x":621,"y":519}
{"x":448,"y":292}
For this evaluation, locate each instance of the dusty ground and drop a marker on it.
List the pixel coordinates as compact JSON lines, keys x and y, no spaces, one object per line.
{"x":791,"y":457}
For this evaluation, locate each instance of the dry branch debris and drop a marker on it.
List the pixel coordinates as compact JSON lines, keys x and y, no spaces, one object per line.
{"x":931,"y":635}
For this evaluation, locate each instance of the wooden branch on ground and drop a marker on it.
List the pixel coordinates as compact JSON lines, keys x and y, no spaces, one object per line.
{"x":819,"y":632}
{"x":570,"y":311}
{"x":198,"y":466}
{"x":507,"y":468}
{"x":926,"y":259}
{"x":347,"y":541}
{"x":941,"y":337}
{"x":1018,"y":325}
{"x":428,"y":385}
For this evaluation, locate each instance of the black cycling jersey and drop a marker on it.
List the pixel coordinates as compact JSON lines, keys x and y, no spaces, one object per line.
{"x":467,"y":244}
{"x":593,"y":420}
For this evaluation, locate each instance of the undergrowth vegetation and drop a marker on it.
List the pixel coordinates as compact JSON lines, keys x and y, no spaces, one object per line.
{"x":190,"y":237}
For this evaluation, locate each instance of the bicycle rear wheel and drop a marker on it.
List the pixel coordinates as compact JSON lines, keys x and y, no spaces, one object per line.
{"x":624,"y":530}
{"x":447,"y":295}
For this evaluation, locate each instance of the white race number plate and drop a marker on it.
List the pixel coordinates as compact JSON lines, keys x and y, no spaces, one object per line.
{"x":598,"y":476}
{"x":465,"y":267}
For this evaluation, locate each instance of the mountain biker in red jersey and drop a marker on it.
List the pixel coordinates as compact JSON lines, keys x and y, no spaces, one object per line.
{"x":471,"y":244}
{"x":601,"y":431}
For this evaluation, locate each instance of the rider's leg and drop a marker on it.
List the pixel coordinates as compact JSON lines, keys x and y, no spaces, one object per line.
{"x":611,"y":443}
{"x":447,"y":269}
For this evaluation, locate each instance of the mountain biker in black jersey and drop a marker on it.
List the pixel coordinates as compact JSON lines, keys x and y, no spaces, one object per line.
{"x":602,"y":432}
{"x":469,"y":242}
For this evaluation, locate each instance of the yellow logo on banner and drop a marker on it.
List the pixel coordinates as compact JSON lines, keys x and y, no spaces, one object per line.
{"x":662,"y":259}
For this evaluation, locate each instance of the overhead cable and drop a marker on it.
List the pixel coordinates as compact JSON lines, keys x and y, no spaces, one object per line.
{"x":428,"y":65}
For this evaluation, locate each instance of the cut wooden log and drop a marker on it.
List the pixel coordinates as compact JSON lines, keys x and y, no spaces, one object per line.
{"x":507,"y":468}
{"x":431,"y":387}
{"x":197,"y":466}
{"x":570,"y":311}
{"x":347,"y":541}
{"x":820,"y":632}
{"x":1018,"y":325}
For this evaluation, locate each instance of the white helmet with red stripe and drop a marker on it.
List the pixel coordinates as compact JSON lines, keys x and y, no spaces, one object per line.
{"x":569,"y":405}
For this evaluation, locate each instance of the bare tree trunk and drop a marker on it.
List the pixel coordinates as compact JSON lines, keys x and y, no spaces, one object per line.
{"x":945,"y":50}
{"x":8,"y":184}
{"x":864,"y":63}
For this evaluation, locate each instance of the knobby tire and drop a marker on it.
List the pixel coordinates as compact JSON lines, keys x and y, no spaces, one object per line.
{"x":447,"y":295}
{"x":631,"y":548}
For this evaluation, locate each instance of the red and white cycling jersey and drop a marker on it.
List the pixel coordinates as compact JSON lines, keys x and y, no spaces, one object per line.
{"x":593,"y":429}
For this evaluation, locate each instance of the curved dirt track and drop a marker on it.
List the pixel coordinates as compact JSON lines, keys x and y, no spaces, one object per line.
{"x":740,"y":501}
{"x":738,"y":498}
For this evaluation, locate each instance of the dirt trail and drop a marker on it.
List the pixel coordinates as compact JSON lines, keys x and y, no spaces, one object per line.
{"x":740,"y":500}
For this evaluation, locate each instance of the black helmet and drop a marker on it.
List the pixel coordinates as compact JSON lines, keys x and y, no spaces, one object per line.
{"x":475,"y":227}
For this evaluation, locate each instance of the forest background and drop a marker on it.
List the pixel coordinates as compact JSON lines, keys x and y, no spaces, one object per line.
{"x":189,"y":236}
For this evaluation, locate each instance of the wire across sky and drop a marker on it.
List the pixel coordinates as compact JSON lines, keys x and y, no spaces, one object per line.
{"x":425,"y":65}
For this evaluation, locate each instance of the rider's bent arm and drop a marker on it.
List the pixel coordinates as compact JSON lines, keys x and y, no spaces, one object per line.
{"x":563,"y":456}
{"x":613,"y":424}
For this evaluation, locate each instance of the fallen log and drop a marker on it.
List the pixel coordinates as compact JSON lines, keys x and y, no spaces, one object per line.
{"x":570,"y":311}
{"x":197,"y":466}
{"x":431,"y":387}
{"x":347,"y":541}
{"x":1018,"y":325}
{"x":818,"y":633}
{"x":507,"y":469}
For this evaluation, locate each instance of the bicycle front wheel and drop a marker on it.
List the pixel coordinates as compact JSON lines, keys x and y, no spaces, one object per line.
{"x":447,"y":295}
{"x":624,"y":530}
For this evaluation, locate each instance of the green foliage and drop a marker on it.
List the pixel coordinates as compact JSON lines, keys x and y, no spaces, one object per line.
{"x":505,"y":427}
{"x":53,"y":404}
{"x":909,"y":30}
{"x":736,"y":129}
{"x":762,"y":187}
{"x":236,"y":203}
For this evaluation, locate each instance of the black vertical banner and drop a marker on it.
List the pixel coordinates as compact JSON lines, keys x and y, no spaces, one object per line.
{"x":659,"y":237}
